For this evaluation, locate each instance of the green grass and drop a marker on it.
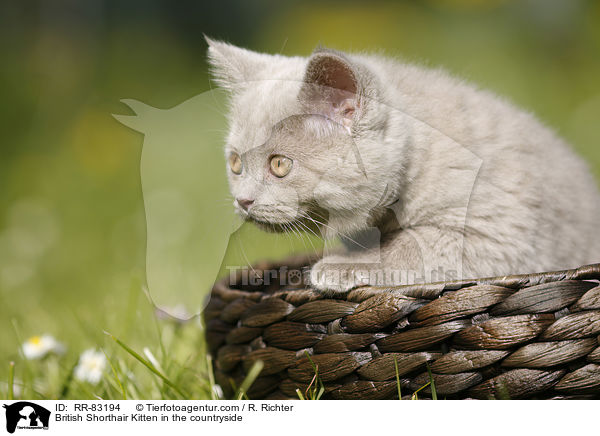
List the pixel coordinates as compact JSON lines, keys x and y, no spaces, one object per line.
{"x":250,"y":378}
{"x":397,"y":378}
{"x":315,"y":389}
{"x":11,"y":381}
{"x":170,"y":363}
{"x":431,"y":383}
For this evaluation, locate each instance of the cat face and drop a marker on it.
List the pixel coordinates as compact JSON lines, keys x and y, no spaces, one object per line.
{"x":302,"y":141}
{"x":290,"y":178}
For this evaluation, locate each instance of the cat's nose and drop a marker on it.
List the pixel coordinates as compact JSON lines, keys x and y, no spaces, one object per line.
{"x":244,"y":203}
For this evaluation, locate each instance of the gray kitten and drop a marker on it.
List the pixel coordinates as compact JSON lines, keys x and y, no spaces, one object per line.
{"x":424,"y":177}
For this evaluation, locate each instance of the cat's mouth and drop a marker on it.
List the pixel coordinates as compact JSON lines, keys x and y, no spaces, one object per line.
{"x":274,"y":218}
{"x":293,"y":226}
{"x":270,"y":226}
{"x":285,"y":223}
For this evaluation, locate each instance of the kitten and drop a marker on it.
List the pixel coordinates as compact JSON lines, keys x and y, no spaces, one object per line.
{"x":423,"y":176}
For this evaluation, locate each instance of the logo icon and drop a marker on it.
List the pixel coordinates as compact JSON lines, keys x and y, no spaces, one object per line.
{"x":26,"y":415}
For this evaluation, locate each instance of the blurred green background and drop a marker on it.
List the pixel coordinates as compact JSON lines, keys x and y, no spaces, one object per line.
{"x":72,"y":225}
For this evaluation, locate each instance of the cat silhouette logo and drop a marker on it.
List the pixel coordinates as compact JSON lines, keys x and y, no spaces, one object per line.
{"x":26,"y":415}
{"x":184,"y":194}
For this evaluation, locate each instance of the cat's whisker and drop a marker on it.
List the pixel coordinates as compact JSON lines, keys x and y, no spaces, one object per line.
{"x":317,"y":224}
{"x":298,"y":233}
{"x":303,"y":234}
{"x":342,"y":235}
{"x":308,"y":228}
{"x":288,"y":235}
{"x":243,"y":252}
{"x":308,"y":236}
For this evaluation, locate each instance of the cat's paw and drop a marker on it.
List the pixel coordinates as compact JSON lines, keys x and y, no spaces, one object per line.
{"x":334,"y":277}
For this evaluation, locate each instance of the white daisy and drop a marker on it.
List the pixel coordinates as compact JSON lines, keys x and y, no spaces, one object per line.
{"x":37,"y":347}
{"x":91,"y":366}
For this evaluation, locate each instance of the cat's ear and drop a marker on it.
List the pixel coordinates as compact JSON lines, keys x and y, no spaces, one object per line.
{"x":231,"y":66}
{"x":332,"y":87}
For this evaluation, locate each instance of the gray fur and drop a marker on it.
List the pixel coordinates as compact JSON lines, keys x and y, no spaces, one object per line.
{"x":455,"y":180}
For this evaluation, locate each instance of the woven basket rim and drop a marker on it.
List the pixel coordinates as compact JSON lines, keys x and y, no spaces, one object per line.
{"x":580,"y":273}
{"x":529,"y":335}
{"x":585,"y":272}
{"x":428,"y":290}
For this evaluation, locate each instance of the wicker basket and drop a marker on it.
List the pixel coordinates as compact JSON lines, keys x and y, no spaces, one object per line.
{"x":525,"y":336}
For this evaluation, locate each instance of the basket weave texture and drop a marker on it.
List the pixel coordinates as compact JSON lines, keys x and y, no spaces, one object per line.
{"x":523,"y":336}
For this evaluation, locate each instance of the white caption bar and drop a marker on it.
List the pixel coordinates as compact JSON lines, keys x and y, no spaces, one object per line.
{"x":296,"y":417}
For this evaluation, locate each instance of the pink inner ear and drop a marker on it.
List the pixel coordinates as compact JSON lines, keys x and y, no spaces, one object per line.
{"x":339,"y":76}
{"x":334,"y":74}
{"x":331,"y":88}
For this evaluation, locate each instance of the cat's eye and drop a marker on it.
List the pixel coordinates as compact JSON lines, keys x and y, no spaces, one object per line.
{"x":280,"y":165}
{"x":235,"y":163}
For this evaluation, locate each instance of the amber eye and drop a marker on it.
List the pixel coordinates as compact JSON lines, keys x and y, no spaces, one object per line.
{"x":235,"y":163}
{"x":281,"y":165}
